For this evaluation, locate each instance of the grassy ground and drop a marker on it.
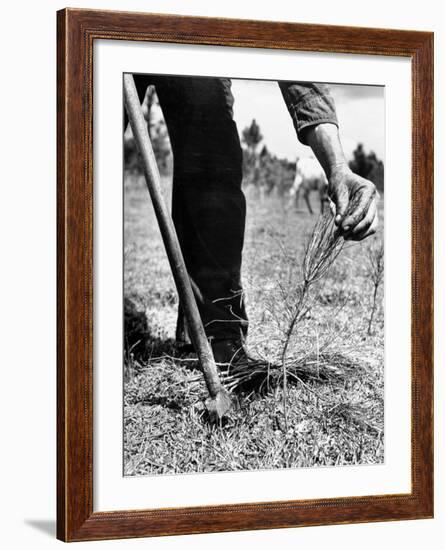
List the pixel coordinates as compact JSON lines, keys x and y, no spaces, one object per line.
{"x":334,"y":405}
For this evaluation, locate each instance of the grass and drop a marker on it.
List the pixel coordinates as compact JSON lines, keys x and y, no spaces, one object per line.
{"x":332,"y":410}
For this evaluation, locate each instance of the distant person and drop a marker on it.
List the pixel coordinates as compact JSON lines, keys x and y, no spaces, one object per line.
{"x":309,"y":176}
{"x":208,"y":205}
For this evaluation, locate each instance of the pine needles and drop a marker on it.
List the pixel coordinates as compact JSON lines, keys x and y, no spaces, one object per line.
{"x":292,"y":302}
{"x":376,"y":266}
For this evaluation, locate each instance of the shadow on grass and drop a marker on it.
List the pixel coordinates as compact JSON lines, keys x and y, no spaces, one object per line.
{"x":140,"y":343}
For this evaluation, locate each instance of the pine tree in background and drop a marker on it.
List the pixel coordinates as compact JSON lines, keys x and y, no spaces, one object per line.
{"x":252,"y":136}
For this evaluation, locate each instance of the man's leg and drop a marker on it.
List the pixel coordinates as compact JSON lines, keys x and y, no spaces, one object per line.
{"x":208,"y":204}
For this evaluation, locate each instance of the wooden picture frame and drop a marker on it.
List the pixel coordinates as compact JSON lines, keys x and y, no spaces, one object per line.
{"x":76,"y":32}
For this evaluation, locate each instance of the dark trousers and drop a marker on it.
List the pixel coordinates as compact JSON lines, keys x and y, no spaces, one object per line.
{"x":208,"y":205}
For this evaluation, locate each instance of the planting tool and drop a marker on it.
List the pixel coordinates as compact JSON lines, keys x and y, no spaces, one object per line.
{"x":219,"y":401}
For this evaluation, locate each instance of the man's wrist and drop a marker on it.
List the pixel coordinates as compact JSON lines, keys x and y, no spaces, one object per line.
{"x":325,"y":142}
{"x":338,"y":170}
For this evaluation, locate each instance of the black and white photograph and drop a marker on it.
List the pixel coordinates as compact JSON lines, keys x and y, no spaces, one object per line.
{"x":222,"y":275}
{"x":253,"y":269}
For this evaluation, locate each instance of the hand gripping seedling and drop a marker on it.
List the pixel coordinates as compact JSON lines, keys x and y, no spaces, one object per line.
{"x":219,"y":402}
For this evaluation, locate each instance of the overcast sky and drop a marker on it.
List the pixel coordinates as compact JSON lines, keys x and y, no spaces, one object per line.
{"x":360,"y":111}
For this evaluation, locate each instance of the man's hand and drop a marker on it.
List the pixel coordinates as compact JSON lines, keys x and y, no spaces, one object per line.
{"x":355,"y":199}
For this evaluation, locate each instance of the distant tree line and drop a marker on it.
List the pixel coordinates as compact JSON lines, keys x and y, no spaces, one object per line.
{"x":264,"y":171}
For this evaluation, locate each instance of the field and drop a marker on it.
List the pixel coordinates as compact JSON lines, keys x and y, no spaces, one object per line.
{"x":329,"y":412}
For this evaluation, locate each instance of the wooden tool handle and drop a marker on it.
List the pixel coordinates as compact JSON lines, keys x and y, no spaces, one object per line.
{"x":170,"y":238}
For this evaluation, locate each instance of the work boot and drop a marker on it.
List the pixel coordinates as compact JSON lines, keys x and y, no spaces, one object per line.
{"x":232,"y":359}
{"x":229,"y":352}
